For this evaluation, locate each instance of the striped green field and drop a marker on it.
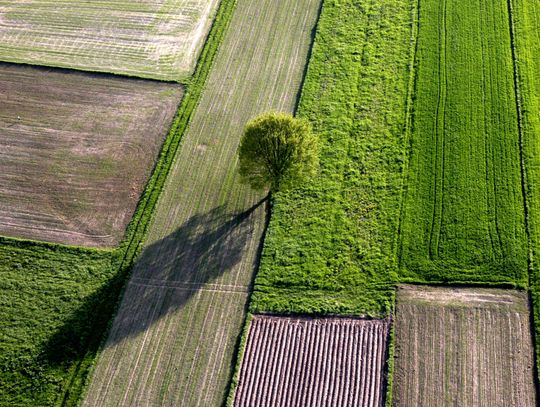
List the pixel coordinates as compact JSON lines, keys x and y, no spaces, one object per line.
{"x":463,"y":218}
{"x":173,"y":339}
{"x":526,"y":19}
{"x":151,"y":39}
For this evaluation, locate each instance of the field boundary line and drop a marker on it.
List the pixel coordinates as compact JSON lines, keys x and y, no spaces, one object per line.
{"x":136,"y":232}
{"x":187,"y":286}
{"x":407,"y":131}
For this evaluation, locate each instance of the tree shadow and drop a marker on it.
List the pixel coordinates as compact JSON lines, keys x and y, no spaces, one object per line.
{"x":205,"y":248}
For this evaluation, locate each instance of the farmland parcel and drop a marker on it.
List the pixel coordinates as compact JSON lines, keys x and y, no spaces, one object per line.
{"x":464,"y":207}
{"x":152,"y":39}
{"x":173,"y":339}
{"x":330,"y":246}
{"x":291,"y":361}
{"x":76,"y":151}
{"x":463,"y":347}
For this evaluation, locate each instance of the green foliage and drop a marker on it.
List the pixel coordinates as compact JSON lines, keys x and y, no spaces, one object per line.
{"x":57,"y":301}
{"x":330,"y":246}
{"x":277,"y":151}
{"x":463,"y":218}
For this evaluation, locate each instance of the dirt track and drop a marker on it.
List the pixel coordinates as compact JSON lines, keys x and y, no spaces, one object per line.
{"x":293,"y":362}
{"x":463,"y":347}
{"x":76,"y":151}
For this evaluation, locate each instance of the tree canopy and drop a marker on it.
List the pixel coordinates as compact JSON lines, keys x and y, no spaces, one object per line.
{"x":277,"y":151}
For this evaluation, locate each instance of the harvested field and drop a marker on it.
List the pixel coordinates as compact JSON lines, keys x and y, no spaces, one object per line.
{"x":464,"y":217}
{"x":463,"y":347}
{"x":172,"y":342}
{"x":292,"y":361}
{"x":75,"y":152}
{"x":151,"y":39}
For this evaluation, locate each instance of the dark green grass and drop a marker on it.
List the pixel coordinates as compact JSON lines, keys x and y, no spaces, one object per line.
{"x":57,"y":301}
{"x":526,"y":30}
{"x":464,"y":208}
{"x":330,"y":246}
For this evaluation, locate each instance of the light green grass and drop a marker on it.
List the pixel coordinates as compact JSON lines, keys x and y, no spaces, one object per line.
{"x":330,"y":247}
{"x":464,"y":207}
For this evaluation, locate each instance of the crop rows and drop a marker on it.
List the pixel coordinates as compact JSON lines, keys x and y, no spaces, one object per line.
{"x":293,"y":361}
{"x":464,"y":208}
{"x":159,"y":40}
{"x":463,"y":347}
{"x":173,"y":339}
{"x":76,"y":151}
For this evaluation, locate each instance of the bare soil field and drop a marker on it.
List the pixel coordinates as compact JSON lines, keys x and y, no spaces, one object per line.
{"x":295,"y":361}
{"x":172,"y":341}
{"x":75,"y":152}
{"x":151,"y":39}
{"x":463,"y":347}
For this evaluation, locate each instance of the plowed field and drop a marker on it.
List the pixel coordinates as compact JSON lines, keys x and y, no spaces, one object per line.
{"x":75,"y":152}
{"x":463,"y":347}
{"x":291,"y":361}
{"x":151,"y":39}
{"x":172,"y":342}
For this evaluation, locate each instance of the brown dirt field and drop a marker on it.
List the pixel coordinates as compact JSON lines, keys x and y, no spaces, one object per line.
{"x":76,"y":151}
{"x":293,"y":361}
{"x":463,"y":347}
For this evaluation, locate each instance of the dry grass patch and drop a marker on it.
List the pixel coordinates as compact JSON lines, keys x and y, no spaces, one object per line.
{"x":295,"y":361}
{"x":75,"y":152}
{"x":463,"y":347}
{"x":151,"y":39}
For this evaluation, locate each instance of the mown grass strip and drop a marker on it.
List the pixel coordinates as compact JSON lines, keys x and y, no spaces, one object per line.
{"x":29,"y":374}
{"x":463,"y":219}
{"x":330,"y":247}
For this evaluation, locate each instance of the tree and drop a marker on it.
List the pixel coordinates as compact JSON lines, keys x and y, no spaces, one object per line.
{"x":277,"y":151}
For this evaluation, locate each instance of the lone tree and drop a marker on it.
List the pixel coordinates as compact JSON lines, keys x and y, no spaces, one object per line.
{"x":277,"y":151}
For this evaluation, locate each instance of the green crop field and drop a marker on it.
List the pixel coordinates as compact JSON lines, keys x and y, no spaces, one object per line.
{"x":463,"y":217}
{"x":172,"y":342}
{"x":151,"y":39}
{"x":526,"y":28}
{"x":330,"y":247}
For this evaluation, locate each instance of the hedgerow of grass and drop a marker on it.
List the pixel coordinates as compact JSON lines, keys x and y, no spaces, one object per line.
{"x":57,"y":301}
{"x":330,"y":246}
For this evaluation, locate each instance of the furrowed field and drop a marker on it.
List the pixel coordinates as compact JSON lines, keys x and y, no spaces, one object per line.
{"x":330,"y":245}
{"x":463,"y":215}
{"x":295,"y":361}
{"x":76,"y":152}
{"x":151,"y":39}
{"x":463,"y":347}
{"x":172,"y":342}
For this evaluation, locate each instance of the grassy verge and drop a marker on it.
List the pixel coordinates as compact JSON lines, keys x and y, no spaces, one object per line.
{"x":330,"y":247}
{"x":463,"y":216}
{"x":526,"y":28}
{"x":58,"y":300}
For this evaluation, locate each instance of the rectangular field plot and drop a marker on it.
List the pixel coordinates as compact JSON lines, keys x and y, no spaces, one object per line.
{"x":464,"y":209}
{"x":463,"y":347}
{"x":75,"y":152}
{"x":293,"y":361}
{"x":151,"y":39}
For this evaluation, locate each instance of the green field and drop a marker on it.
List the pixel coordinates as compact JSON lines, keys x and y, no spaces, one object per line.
{"x":330,"y":247}
{"x":173,"y":340}
{"x":463,"y":218}
{"x":526,"y":27}
{"x":51,"y":309}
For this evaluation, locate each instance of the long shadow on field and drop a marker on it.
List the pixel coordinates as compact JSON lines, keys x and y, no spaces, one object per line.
{"x":199,"y":252}
{"x":194,"y":257}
